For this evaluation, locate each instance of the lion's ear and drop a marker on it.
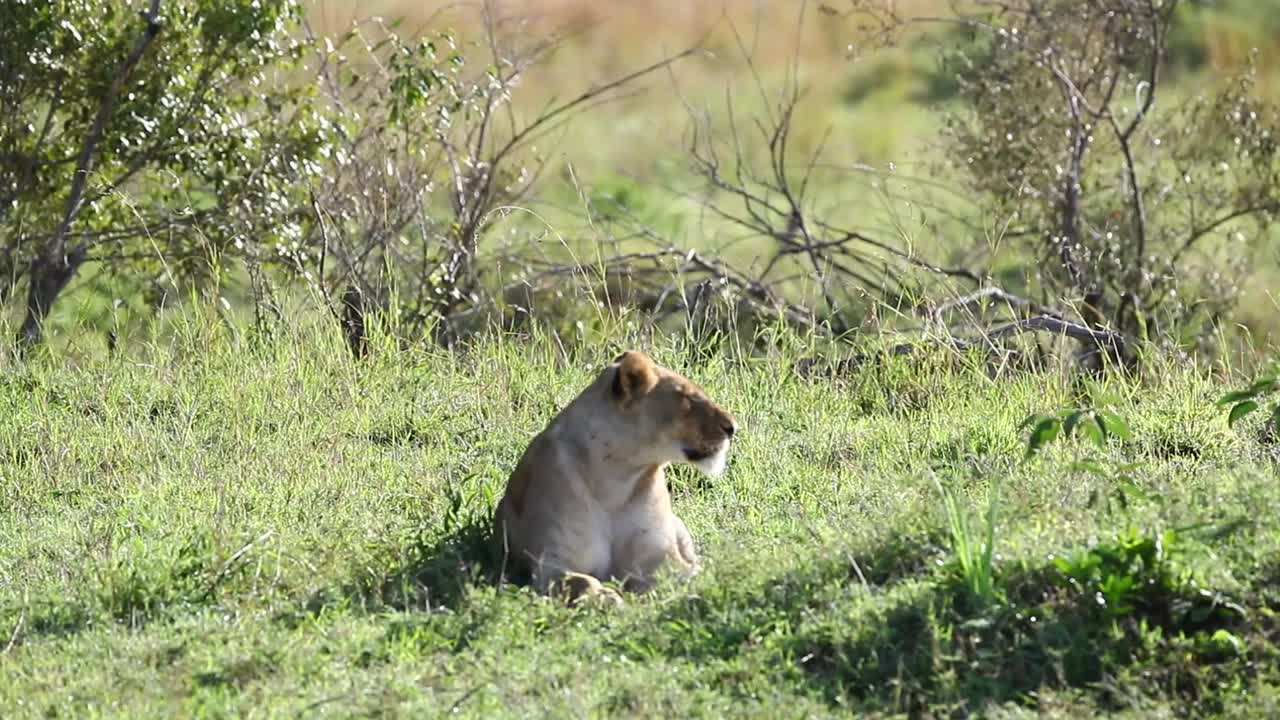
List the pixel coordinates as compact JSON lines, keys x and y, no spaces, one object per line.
{"x":636,"y":376}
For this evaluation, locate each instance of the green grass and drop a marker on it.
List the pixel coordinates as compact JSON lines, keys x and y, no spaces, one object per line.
{"x":220,"y":526}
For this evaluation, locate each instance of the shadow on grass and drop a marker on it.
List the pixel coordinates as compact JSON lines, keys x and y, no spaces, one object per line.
{"x":927,"y":647}
{"x":884,"y":628}
{"x":938,"y":649}
{"x":406,"y":434}
{"x":723,"y":621}
{"x":433,"y":575}
{"x":426,"y":575}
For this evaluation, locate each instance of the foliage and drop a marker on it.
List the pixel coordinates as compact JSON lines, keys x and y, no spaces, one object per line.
{"x":149,"y":138}
{"x":1102,"y":426}
{"x":1141,"y":204}
{"x":431,"y":154}
{"x":1131,"y":575}
{"x":1122,"y":188}
{"x":389,"y":103}
{"x":1096,"y":424}
{"x":1246,"y":400}
{"x":217,"y":144}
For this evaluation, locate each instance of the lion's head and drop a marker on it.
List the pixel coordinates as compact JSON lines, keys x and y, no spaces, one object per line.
{"x":669,"y":418}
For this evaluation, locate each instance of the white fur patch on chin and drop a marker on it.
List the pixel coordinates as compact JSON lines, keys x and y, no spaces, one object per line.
{"x":715,"y":464}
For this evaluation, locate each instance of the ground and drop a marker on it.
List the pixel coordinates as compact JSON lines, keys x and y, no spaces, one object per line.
{"x":227,"y":526}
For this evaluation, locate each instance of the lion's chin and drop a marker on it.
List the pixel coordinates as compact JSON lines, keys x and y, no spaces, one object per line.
{"x":711,"y":464}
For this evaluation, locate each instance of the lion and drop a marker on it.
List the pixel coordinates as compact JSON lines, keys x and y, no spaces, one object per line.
{"x":588,"y":503}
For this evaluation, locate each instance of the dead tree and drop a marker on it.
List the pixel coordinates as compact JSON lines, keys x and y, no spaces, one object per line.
{"x":433,"y":154}
{"x":1137,"y":214}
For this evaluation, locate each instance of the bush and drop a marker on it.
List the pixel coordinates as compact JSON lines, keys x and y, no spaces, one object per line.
{"x":149,"y":139}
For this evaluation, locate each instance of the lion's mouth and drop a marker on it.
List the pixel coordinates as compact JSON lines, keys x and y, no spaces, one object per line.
{"x":710,"y":461}
{"x":696,"y":455}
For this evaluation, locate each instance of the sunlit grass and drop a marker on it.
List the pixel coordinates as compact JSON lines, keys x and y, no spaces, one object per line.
{"x":220,"y":525}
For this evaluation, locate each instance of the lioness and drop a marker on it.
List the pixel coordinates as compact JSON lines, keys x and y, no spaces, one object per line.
{"x":588,"y":500}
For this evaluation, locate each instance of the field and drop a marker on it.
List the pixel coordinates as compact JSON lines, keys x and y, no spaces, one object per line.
{"x":209,"y":508}
{"x":219,"y":526}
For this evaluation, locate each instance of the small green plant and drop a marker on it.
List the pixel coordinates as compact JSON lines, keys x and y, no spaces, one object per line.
{"x":1138,"y":574}
{"x":1247,"y":400}
{"x":972,"y":555}
{"x":1097,"y":424}
{"x":467,"y":503}
{"x":1124,"y":573}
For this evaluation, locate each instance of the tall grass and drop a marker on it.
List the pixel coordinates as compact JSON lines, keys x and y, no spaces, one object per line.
{"x":972,"y":548}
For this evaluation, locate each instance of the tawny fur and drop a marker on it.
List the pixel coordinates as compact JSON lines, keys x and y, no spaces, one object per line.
{"x":588,"y":501}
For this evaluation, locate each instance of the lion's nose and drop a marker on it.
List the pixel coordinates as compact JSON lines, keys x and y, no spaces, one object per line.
{"x":728,"y":428}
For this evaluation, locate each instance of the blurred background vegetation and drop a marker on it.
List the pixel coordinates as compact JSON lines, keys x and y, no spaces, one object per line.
{"x":350,"y":142}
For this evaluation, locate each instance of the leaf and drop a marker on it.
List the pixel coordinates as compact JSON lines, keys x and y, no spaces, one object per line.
{"x":1071,"y":421}
{"x":1094,"y":432}
{"x":1225,"y":640}
{"x":1031,"y":420}
{"x":1236,"y":396}
{"x":1044,"y":433}
{"x":1091,"y":466}
{"x":1263,"y":385}
{"x":1230,"y":527}
{"x":1275,"y":418}
{"x":1240,"y":410}
{"x":1128,"y":488}
{"x":1113,"y":424}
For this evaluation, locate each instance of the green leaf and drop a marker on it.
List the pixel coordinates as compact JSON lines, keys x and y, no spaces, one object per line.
{"x":1045,"y":431}
{"x":1113,"y":424}
{"x":1263,"y":385}
{"x":1224,"y":641}
{"x":1240,"y":410}
{"x":1071,"y":421}
{"x":1236,"y":396}
{"x":1032,"y":420}
{"x":1129,"y":488}
{"x":1091,"y":466}
{"x":1094,"y":432}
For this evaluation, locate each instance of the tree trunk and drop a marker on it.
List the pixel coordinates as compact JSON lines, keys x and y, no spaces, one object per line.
{"x":1114,"y":351}
{"x":54,"y":267}
{"x":7,"y":277}
{"x":354,"y":312}
{"x":48,"y":277}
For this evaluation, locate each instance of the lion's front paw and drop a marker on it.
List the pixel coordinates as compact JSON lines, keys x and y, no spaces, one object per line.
{"x":586,"y":588}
